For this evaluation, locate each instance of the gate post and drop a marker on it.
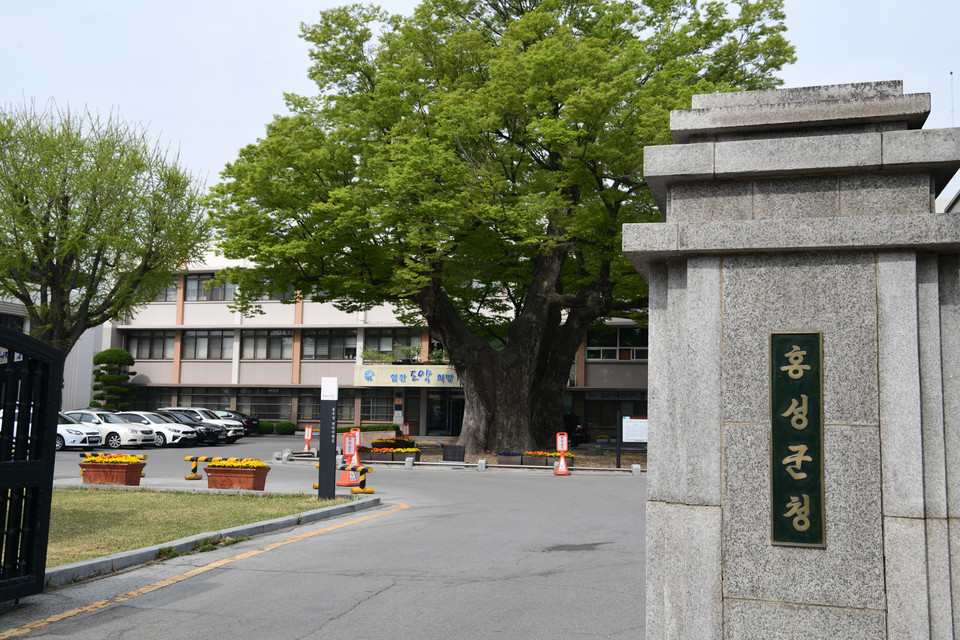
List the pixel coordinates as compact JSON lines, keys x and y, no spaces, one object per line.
{"x":804,"y":338}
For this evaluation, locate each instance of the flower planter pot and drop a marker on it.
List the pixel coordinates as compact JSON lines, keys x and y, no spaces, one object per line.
{"x":402,"y":457}
{"x":534,"y":461}
{"x":127,"y":474}
{"x":380,"y":456}
{"x":509,"y":459}
{"x":236,"y":478}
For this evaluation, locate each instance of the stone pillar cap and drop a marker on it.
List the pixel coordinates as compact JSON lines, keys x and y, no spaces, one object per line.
{"x":735,"y":115}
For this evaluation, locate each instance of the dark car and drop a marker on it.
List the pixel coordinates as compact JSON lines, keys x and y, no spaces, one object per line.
{"x":251,"y":424}
{"x":576,"y":430}
{"x":206,"y":433}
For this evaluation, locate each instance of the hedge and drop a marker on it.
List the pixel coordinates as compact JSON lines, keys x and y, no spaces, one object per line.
{"x":266,"y":427}
{"x":369,"y":427}
{"x":286,"y":428}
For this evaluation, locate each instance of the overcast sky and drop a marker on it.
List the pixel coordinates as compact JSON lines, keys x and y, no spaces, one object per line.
{"x":206,"y":76}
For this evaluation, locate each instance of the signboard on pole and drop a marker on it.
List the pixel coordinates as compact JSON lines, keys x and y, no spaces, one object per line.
{"x":635,"y":429}
{"x":327,"y":440}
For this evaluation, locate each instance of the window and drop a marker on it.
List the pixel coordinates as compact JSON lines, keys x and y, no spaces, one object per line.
{"x":152,"y":398}
{"x":267,"y":344}
{"x":267,"y":404}
{"x":11,"y":321}
{"x":328,"y":344}
{"x":388,"y":340}
{"x":273,"y":294}
{"x":169,"y":294}
{"x":625,"y":343}
{"x":197,"y":288}
{"x":377,"y":405}
{"x":207,"y":345}
{"x":309,"y":405}
{"x":209,"y":397}
{"x":150,"y":345}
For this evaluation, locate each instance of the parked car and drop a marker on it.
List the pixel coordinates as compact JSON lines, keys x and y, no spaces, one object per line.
{"x":71,"y":433}
{"x":206,"y":433}
{"x":165,"y":430}
{"x":576,"y":430}
{"x":116,"y":432}
{"x":251,"y":424}
{"x":201,"y":414}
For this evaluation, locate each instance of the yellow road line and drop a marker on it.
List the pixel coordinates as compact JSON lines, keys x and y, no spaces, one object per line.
{"x":103,"y":604}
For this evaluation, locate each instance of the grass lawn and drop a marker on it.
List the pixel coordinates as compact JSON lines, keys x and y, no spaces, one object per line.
{"x":89,"y":523}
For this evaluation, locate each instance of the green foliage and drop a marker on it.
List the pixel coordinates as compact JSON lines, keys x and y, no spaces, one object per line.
{"x":111,"y":378}
{"x":94,"y":220}
{"x":285,"y":428}
{"x":369,"y":427}
{"x":473,"y":165}
{"x":266,"y":427}
{"x":117,"y":357}
{"x":374,"y":355}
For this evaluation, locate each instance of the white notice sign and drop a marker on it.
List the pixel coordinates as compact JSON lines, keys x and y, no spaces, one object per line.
{"x":635,"y":429}
{"x":328,"y":388}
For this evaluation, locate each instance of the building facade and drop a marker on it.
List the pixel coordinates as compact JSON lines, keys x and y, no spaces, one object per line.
{"x":192,"y":349}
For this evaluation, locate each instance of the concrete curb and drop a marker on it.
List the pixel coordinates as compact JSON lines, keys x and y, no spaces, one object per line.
{"x":77,"y":571}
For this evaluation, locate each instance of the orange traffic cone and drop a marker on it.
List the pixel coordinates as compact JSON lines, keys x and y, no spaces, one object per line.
{"x":562,"y":469}
{"x":348,"y":479}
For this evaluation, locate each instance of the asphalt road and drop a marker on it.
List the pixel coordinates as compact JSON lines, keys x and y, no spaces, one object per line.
{"x":450,"y":553}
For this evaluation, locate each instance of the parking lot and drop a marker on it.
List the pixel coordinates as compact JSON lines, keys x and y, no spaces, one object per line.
{"x":450,"y":553}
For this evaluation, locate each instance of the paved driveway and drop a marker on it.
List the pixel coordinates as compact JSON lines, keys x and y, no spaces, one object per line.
{"x":449,"y":554}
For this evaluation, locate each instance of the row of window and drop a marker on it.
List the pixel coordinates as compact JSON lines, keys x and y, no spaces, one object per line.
{"x":376,"y":405}
{"x":625,"y":343}
{"x":201,"y":286}
{"x":264,"y":344}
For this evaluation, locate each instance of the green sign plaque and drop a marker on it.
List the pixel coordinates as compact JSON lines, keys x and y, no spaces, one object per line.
{"x":796,"y":439}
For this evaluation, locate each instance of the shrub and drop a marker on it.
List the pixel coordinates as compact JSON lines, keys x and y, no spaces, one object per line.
{"x":111,"y":379}
{"x":266,"y":427}
{"x":286,"y":428}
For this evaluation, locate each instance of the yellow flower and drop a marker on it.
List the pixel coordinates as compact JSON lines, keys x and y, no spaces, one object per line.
{"x":242,"y":463}
{"x":112,"y":458}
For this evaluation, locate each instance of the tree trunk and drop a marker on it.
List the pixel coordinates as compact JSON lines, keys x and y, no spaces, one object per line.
{"x":478,"y":412}
{"x":514,"y":396}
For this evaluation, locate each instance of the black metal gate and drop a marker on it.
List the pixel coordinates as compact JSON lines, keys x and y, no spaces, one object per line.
{"x":31,"y":375}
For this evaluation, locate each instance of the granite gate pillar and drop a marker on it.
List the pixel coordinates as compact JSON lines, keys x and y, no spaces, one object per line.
{"x":804,"y":453}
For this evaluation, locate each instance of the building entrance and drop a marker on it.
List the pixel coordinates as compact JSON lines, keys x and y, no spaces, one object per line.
{"x":445,"y":412}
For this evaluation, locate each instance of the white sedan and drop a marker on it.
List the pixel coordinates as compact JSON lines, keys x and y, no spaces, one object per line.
{"x":165,"y":431}
{"x":71,"y":433}
{"x":116,"y":432}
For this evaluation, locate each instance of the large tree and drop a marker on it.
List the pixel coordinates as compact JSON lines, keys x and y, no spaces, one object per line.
{"x":473,"y":164}
{"x":94,"y":219}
